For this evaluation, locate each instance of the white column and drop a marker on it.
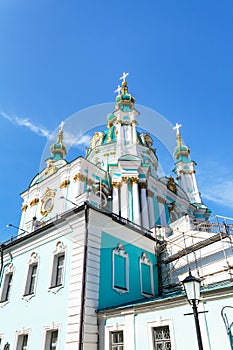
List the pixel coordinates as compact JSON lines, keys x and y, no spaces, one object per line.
{"x":136,"y":202}
{"x":144,"y":205}
{"x":118,"y":132}
{"x":162,"y":213}
{"x":115,"y":197}
{"x":134,"y":134}
{"x":129,"y":136}
{"x":196,"y":193}
{"x":151,"y":209}
{"x":124,"y":197}
{"x":129,"y":340}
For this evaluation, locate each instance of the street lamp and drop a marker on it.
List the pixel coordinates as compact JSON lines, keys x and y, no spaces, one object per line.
{"x":192,"y":288}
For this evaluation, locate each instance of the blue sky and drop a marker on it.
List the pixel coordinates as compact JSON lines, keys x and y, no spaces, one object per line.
{"x":58,"y":57}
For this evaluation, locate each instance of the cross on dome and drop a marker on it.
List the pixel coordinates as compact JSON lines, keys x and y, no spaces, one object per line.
{"x":118,"y":90}
{"x":177,"y":127}
{"x":61,"y":125}
{"x":124,"y":77}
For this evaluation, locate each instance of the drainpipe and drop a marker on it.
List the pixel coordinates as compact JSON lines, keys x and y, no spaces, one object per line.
{"x":1,"y":252}
{"x":81,"y":326}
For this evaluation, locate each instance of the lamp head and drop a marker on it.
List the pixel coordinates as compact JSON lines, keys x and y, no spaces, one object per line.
{"x":192,"y":287}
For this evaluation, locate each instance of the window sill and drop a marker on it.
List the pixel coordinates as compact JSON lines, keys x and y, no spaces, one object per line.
{"x":27,"y":297}
{"x":147,"y":295}
{"x":4,"y":302}
{"x":121,"y":290}
{"x":55,"y":289}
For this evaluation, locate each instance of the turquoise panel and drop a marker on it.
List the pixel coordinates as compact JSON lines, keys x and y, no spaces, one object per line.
{"x":167,"y":214}
{"x":108,"y":296}
{"x":146,"y":279}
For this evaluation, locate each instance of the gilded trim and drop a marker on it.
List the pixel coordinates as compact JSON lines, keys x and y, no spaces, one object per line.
{"x":171,"y":185}
{"x":49,"y":195}
{"x":35,"y":201}
{"x":116,"y":184}
{"x":24,"y":207}
{"x":79,"y":177}
{"x":65,"y":184}
{"x":135,"y":180}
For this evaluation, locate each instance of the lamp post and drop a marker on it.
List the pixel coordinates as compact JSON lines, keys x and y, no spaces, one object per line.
{"x":192,"y":289}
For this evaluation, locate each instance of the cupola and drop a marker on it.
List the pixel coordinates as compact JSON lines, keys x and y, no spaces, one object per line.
{"x":58,"y":149}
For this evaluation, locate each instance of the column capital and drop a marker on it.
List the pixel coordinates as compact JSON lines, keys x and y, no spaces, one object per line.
{"x":161,"y":200}
{"x":116,"y":184}
{"x":143,"y":185}
{"x":124,"y":179}
{"x":90,"y":182}
{"x":150,"y":193}
{"x":134,"y":180}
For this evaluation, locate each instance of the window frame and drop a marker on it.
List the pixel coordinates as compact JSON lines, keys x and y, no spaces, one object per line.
{"x":109,"y":329}
{"x":162,"y":340}
{"x":120,"y":252}
{"x":20,"y":336}
{"x":48,"y":331}
{"x":7,"y":284}
{"x":33,"y":261}
{"x":115,"y":346}
{"x":57,"y":254}
{"x":143,"y":260}
{"x":156,"y":324}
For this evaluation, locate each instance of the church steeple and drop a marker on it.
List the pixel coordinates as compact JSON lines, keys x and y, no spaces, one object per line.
{"x":125,"y":119}
{"x":58,"y":149}
{"x":185,"y":168}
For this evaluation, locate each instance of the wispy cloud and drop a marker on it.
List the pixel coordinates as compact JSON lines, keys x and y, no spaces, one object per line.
{"x":6,"y":116}
{"x":220,"y":192}
{"x":216,"y":183}
{"x":39,"y":130}
{"x":74,"y":140}
{"x":78,"y":140}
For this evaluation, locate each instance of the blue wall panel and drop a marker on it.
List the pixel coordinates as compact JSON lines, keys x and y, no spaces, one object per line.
{"x":109,"y":296}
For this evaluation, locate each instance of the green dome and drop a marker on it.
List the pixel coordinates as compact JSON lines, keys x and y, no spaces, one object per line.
{"x":58,"y":149}
{"x":181,"y":151}
{"x":125,"y":97}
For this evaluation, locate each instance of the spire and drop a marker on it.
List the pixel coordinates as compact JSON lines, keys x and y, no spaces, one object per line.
{"x":181,"y":151}
{"x":58,"y":149}
{"x":124,"y":100}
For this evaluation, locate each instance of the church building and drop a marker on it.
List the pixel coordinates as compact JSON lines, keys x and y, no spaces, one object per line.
{"x":103,"y":246}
